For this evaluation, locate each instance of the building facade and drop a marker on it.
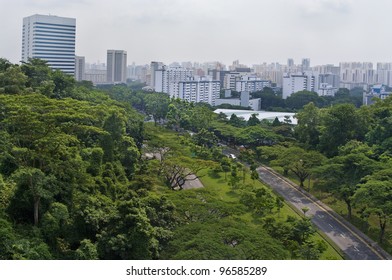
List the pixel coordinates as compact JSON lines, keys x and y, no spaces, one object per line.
{"x":116,"y":66}
{"x":80,"y":68}
{"x":293,"y":83}
{"x":168,"y":78}
{"x":154,"y":66}
{"x":251,"y":84}
{"x":50,"y":38}
{"x":206,"y":91}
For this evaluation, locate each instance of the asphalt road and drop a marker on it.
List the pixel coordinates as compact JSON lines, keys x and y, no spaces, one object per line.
{"x":354,"y":244}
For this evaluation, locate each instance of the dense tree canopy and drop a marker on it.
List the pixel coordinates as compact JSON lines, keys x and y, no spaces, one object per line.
{"x":83,"y":177}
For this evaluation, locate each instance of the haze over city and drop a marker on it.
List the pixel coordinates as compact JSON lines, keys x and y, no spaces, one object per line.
{"x":253,"y":31}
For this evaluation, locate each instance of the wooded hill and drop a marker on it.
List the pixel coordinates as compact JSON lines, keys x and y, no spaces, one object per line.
{"x":75,"y":181}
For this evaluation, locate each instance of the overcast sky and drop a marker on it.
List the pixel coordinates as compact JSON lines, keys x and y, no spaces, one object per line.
{"x":253,"y":31}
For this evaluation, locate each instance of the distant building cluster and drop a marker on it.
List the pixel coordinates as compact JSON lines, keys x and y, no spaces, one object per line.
{"x":53,"y":39}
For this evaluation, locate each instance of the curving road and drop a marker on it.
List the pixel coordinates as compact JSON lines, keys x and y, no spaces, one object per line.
{"x":351,"y":241}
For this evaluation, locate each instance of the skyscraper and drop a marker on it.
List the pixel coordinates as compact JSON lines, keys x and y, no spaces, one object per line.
{"x":50,"y":38}
{"x":80,"y":68}
{"x":116,"y":66}
{"x":154,"y":67}
{"x":305,"y":66}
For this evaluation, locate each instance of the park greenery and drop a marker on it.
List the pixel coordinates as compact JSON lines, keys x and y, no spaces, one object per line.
{"x":88,"y":173}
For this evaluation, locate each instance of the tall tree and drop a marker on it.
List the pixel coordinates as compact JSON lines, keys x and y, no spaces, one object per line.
{"x":37,"y":185}
{"x":341,"y":174}
{"x":307,"y":130}
{"x":299,"y":99}
{"x":12,"y":79}
{"x":375,"y":196}
{"x":341,"y":123}
{"x":299,"y":161}
{"x":157,"y":104}
{"x":253,"y":120}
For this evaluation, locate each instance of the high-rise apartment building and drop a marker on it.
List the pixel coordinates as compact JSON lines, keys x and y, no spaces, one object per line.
{"x":290,"y":63}
{"x":251,"y":84}
{"x":167,"y":79}
{"x":305,"y":66}
{"x":155,"y":66}
{"x":116,"y":66}
{"x":50,"y":38}
{"x":293,"y":83}
{"x":199,"y":90}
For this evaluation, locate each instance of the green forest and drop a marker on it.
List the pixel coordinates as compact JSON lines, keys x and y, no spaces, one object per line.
{"x":107,"y":173}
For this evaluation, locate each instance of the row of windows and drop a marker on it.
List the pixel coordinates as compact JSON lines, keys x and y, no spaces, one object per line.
{"x":48,"y":29}
{"x":52,"y":47}
{"x":57,"y":59}
{"x":53,"y":35}
{"x":55,"y":55}
{"x":37,"y":50}
{"x":54,"y":39}
{"x":62,"y":66}
{"x":55,"y":30}
{"x":53,"y":24}
{"x":52,"y":43}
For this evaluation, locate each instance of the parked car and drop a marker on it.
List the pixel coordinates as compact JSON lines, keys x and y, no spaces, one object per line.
{"x":232,"y":156}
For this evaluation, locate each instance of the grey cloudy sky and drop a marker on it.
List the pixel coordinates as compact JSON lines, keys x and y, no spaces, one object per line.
{"x":253,"y":31}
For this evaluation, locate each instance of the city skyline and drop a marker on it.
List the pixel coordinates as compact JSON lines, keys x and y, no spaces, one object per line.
{"x":252,"y":31}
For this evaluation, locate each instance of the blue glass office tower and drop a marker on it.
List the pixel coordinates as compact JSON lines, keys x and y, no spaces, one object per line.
{"x":50,"y":38}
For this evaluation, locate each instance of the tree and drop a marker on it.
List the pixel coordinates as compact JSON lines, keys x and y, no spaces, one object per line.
{"x":341,"y":123}
{"x":63,"y":84}
{"x":374,"y":195}
{"x":259,"y":200}
{"x":298,"y":161}
{"x":307,"y":130}
{"x":256,"y":136}
{"x":253,"y":120}
{"x":177,"y":170}
{"x":342,"y":174}
{"x":225,"y":165}
{"x":87,"y":250}
{"x":269,"y":99}
{"x":7,"y":239}
{"x":12,"y":80}
{"x":4,"y":64}
{"x":237,"y":121}
{"x":157,"y":104}
{"x":254,"y":175}
{"x":38,"y":74}
{"x":299,"y":99}
{"x":178,"y":115}
{"x":279,"y":203}
{"x":38,"y":186}
{"x":380,"y":132}
{"x":205,"y":138}
{"x":201,"y":116}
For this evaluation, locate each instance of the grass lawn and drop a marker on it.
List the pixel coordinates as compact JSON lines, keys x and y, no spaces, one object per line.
{"x":217,"y":189}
